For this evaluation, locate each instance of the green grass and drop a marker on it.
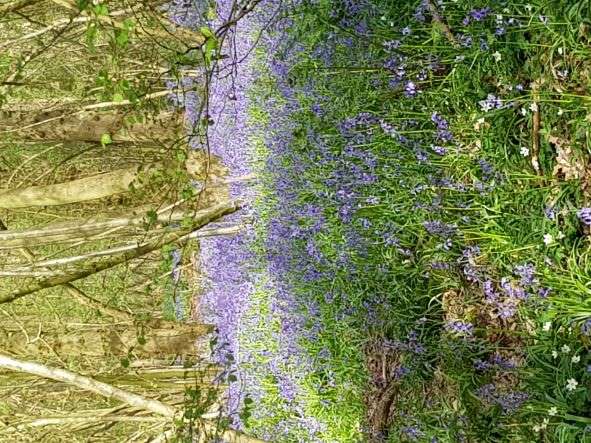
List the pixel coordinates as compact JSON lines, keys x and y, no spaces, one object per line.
{"x":389,"y":294}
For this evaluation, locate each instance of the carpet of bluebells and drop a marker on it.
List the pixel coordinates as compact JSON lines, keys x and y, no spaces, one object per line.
{"x":416,"y":266}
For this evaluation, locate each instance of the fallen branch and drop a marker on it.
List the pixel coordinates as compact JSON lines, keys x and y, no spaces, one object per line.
{"x":84,"y":189}
{"x":109,"y":391}
{"x":202,"y":218}
{"x":88,"y":384}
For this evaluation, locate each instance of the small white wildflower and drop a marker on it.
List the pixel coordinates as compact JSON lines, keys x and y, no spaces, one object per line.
{"x":575,"y":358}
{"x":383,"y":17}
{"x":547,"y":326}
{"x":528,"y":7}
{"x":524,"y":151}
{"x":523,"y":111}
{"x":545,"y":423}
{"x":571,"y":384}
{"x":560,"y":111}
{"x":554,"y":354}
{"x":561,"y":50}
{"x":548,"y":239}
{"x":565,"y":349}
{"x":536,"y":428}
{"x":552,"y":411}
{"x":497,"y":56}
{"x":534,"y":107}
{"x":560,"y":235}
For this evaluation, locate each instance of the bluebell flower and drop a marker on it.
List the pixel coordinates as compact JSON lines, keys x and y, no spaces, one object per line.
{"x":584,"y":215}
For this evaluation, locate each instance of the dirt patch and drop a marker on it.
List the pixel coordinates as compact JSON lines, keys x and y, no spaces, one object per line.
{"x":383,"y":364}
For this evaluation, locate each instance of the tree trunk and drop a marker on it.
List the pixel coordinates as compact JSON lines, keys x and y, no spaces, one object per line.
{"x":111,"y":340}
{"x":75,"y":191}
{"x":91,"y":125}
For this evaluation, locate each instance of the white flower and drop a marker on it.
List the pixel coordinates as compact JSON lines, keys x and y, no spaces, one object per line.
{"x":565,"y":349}
{"x":534,"y":107}
{"x":571,"y":384}
{"x":552,"y":411}
{"x":528,"y":7}
{"x":523,"y":111}
{"x":561,"y":50}
{"x":560,"y":235}
{"x":554,"y":354}
{"x":547,"y":326}
{"x":575,"y":358}
{"x":544,"y":425}
{"x":497,"y":56}
{"x":524,"y":151}
{"x":560,"y":111}
{"x":548,"y":239}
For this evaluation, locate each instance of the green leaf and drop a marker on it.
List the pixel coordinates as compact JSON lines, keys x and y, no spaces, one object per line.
{"x":121,"y":37}
{"x":91,"y":35}
{"x":152,"y":217}
{"x":118,"y":97}
{"x":101,"y":10}
{"x":207,"y":33}
{"x":125,"y":362}
{"x":106,"y":139}
{"x":82,"y":4}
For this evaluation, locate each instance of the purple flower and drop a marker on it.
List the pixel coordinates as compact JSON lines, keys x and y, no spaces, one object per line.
{"x":460,"y":327}
{"x":392,"y":44}
{"x":584,"y":215}
{"x":439,"y":150}
{"x":489,"y":292}
{"x":412,"y":432}
{"x":512,"y":401}
{"x":406,"y":31}
{"x":507,"y":309}
{"x":480,"y":14}
{"x":410,"y":89}
{"x":441,"y":122}
{"x":549,"y":212}
{"x":491,"y":102}
{"x":586,"y":327}
{"x":439,"y":228}
{"x":527,"y":273}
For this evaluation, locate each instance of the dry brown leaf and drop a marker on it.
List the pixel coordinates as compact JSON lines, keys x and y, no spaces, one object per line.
{"x":569,"y":166}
